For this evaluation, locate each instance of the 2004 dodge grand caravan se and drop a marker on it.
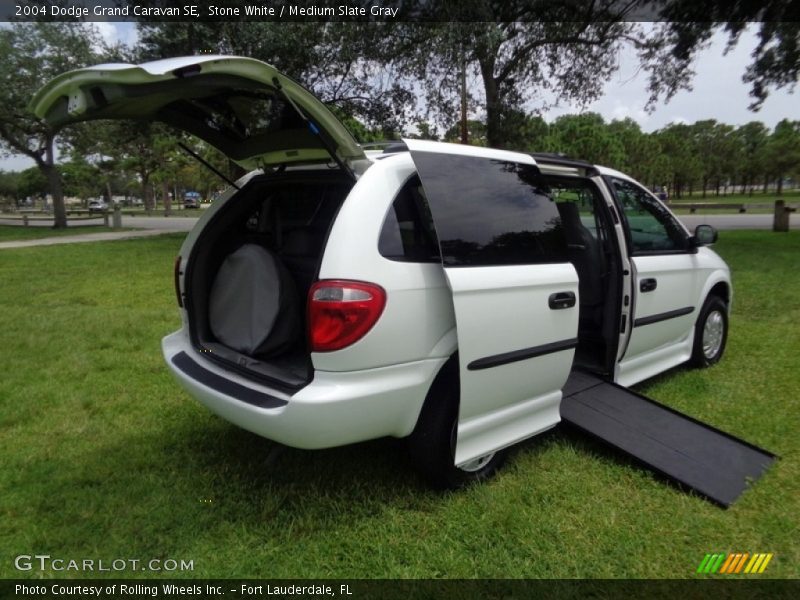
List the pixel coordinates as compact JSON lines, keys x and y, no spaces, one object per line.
{"x":433,"y":291}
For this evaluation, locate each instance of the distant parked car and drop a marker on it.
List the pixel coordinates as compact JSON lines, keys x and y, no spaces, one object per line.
{"x":191,"y":200}
{"x":97,"y":206}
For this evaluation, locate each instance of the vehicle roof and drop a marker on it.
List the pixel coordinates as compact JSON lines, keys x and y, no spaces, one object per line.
{"x":613,"y":172}
{"x":467,"y":150}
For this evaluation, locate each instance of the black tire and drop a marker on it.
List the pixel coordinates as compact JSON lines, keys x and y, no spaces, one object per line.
{"x":710,"y":333}
{"x":432,"y":443}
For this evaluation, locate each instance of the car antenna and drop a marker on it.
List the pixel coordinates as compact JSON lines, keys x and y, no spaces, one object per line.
{"x":314,"y":129}
{"x":207,"y":164}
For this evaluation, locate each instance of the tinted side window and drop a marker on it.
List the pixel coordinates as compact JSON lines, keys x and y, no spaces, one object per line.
{"x":652,"y":228}
{"x":490,"y":212}
{"x":407,"y":233}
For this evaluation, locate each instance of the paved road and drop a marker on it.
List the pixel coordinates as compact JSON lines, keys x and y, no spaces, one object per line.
{"x":157,"y":225}
{"x":162,"y":223}
{"x":733,"y":221}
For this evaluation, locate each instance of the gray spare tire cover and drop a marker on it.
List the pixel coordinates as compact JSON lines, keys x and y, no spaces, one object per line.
{"x":253,"y":305}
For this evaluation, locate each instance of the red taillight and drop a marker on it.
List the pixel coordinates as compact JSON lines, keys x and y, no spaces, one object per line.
{"x":341,"y":312}
{"x":177,"y":276}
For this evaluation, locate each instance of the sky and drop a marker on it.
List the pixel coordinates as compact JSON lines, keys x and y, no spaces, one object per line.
{"x":718,"y":91}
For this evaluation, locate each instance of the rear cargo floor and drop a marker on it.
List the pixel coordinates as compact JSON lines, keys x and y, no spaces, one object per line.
{"x":717,"y":465}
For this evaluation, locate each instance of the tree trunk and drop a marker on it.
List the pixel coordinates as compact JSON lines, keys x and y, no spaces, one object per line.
{"x":705,"y":183}
{"x":464,"y":132}
{"x":54,"y":183}
{"x":766,"y":183}
{"x":493,"y":106}
{"x":166,"y":199}
{"x":147,"y":192}
{"x":780,"y":185}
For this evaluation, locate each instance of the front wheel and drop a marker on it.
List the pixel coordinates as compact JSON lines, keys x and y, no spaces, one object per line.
{"x":710,"y":333}
{"x":432,"y":444}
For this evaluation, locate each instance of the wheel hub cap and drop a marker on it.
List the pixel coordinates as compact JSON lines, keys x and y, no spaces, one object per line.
{"x":477,"y":464}
{"x":713,"y":331}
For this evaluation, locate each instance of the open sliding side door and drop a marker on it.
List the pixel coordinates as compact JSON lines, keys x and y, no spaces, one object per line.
{"x":514,"y":293}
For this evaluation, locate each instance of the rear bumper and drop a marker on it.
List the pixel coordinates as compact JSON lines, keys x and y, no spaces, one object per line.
{"x":335,"y":409}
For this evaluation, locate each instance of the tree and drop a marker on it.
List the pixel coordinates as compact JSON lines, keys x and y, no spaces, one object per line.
{"x":9,"y":190}
{"x":427,"y":131}
{"x":34,"y":53}
{"x":682,"y":167}
{"x":476,"y":132}
{"x":640,"y":152}
{"x":776,"y":59}
{"x":80,"y":178}
{"x":31,"y":183}
{"x":140,"y":148}
{"x":782,"y":151}
{"x":521,"y":51}
{"x":585,"y":136}
{"x":752,"y":139}
{"x":525,"y":51}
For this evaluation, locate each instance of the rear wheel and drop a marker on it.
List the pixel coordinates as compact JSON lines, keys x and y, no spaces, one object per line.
{"x":433,"y":442}
{"x":710,"y":333}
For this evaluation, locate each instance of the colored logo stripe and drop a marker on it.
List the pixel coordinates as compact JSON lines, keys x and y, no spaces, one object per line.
{"x":734,"y":563}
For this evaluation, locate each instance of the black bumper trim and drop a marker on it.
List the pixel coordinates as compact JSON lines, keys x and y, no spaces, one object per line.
{"x":663,"y":316}
{"x":524,"y":354}
{"x":224,"y":386}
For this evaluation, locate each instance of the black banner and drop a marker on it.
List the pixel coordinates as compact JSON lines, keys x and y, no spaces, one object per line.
{"x":360,"y":589}
{"x":339,"y":10}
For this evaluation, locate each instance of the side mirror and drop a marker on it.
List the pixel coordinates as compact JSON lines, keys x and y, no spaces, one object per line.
{"x":704,"y":235}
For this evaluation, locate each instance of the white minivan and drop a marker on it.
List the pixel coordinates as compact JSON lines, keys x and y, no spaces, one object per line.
{"x":430,"y":291}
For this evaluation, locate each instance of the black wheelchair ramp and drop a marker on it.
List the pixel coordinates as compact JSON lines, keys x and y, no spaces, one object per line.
{"x":713,"y":463}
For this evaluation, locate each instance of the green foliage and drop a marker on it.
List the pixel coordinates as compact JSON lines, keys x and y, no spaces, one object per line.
{"x":31,"y":182}
{"x":476,"y":133}
{"x":782,"y":151}
{"x":80,"y":178}
{"x":641,"y":155}
{"x":688,"y":24}
{"x":585,"y":136}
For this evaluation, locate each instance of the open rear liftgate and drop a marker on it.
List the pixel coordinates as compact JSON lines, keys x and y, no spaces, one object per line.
{"x":713,"y":463}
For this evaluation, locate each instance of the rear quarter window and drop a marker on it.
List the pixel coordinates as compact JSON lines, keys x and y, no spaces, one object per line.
{"x":408,"y":234}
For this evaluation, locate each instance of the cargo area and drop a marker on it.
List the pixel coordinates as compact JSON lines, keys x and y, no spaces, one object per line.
{"x":249,"y":273}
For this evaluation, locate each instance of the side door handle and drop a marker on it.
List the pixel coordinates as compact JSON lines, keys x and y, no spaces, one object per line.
{"x":648,"y":285}
{"x":561,"y":300}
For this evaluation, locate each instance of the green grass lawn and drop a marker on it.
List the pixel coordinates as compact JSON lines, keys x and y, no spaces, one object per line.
{"x":103,"y":456}
{"x":9,"y":233}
